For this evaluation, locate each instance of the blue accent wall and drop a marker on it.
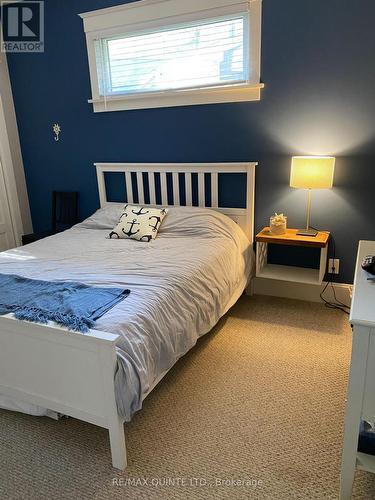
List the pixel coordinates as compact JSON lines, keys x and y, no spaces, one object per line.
{"x":319,"y":98}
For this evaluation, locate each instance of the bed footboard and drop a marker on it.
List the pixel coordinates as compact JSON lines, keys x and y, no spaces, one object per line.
{"x":71,"y":373}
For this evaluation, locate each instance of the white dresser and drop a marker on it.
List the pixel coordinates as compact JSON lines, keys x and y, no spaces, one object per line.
{"x":361,"y":389}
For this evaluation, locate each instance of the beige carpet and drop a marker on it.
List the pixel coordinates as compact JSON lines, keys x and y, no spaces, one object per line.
{"x":261,"y":398}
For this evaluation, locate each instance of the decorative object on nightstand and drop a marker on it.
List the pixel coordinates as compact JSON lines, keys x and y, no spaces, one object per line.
{"x":64,"y":215}
{"x":278,"y":224}
{"x":291,"y":273}
{"x":311,"y":172}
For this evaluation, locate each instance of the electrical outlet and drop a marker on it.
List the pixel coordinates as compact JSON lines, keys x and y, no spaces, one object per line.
{"x":333,"y":266}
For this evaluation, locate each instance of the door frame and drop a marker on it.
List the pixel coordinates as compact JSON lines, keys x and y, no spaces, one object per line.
{"x":11,"y":158}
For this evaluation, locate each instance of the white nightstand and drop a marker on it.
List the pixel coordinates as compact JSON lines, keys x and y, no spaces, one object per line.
{"x":291,"y":273}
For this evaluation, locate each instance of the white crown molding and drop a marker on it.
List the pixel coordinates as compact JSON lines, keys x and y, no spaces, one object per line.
{"x":192,"y":6}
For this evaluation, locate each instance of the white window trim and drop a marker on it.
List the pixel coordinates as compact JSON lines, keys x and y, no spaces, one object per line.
{"x":140,"y":15}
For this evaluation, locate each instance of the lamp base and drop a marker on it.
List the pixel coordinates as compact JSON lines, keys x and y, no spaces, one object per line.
{"x":307,"y":232}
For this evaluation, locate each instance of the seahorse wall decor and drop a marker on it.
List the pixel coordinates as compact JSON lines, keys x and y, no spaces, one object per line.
{"x":56,"y":130}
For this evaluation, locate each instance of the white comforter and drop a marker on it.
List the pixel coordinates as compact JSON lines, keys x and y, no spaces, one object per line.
{"x":181,"y":284}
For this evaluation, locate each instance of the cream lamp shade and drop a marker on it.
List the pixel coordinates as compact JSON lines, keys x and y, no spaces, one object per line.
{"x":312,"y":172}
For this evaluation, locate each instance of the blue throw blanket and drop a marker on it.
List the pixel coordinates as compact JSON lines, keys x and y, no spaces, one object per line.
{"x":70,"y":304}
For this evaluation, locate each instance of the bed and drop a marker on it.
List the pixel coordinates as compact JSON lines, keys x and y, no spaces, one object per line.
{"x":176,"y":297}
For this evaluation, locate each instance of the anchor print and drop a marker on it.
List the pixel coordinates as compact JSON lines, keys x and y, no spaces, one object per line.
{"x":113,"y":235}
{"x":157,"y":223}
{"x":140,"y":211}
{"x":146,"y":237}
{"x":122,"y":217}
{"x":130,"y":233}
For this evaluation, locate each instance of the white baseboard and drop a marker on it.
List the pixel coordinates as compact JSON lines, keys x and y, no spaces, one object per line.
{"x":301,"y":291}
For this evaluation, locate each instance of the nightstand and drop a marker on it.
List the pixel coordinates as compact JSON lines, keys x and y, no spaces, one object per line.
{"x":291,"y":273}
{"x":31,"y":238}
{"x":64,"y":215}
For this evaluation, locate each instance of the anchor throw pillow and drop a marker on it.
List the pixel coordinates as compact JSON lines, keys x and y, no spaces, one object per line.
{"x":138,"y":223}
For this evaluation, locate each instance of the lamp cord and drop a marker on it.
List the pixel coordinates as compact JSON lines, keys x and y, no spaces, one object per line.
{"x":337,"y":304}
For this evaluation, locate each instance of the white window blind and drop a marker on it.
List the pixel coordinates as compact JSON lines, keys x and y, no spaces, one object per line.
{"x":156,"y":53}
{"x":207,"y":53}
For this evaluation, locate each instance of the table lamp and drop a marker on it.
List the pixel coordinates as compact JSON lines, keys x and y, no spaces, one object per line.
{"x":311,"y":172}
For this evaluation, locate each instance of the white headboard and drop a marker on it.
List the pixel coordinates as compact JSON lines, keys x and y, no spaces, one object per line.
{"x":242,"y":216}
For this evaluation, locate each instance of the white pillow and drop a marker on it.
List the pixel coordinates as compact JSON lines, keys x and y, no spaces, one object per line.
{"x":138,"y":223}
{"x":104,"y":218}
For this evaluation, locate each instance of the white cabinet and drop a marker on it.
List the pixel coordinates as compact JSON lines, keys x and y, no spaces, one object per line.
{"x":361,"y":389}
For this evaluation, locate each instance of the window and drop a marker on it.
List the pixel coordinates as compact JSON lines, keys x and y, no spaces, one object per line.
{"x":141,"y":57}
{"x":210,"y":53}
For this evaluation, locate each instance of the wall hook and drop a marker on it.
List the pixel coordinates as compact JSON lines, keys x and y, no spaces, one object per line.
{"x":56,"y":130}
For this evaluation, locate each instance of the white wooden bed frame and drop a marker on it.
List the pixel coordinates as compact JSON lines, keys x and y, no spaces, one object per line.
{"x":73,"y":373}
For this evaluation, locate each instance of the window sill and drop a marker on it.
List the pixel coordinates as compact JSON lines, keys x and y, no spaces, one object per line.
{"x":243,"y":93}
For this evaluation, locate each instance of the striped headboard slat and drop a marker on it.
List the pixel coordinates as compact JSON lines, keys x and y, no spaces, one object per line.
{"x":243,"y":216}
